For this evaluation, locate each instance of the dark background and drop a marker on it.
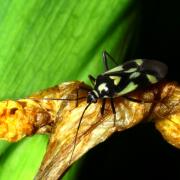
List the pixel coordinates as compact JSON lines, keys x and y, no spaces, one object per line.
{"x":141,"y":152}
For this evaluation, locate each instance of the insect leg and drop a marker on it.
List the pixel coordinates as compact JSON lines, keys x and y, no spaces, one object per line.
{"x":113,"y":110}
{"x":134,"y":99}
{"x":141,"y":101}
{"x":92,"y":79}
{"x":105,"y":57}
{"x":103,"y":106}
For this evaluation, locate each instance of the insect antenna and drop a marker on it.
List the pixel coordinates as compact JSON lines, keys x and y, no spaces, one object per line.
{"x":75,"y":139}
{"x":79,"y":123}
{"x":56,"y":99}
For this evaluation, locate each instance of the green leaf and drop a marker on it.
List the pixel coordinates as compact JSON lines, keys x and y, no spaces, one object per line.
{"x":44,"y":43}
{"x":19,"y":157}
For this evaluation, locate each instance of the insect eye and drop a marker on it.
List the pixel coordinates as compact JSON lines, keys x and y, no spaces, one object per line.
{"x":92,"y":97}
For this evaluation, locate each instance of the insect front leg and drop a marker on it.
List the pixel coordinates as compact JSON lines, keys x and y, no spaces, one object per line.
{"x":105,"y":57}
{"x":103,"y":106}
{"x":113,"y":110}
{"x":92,"y":79}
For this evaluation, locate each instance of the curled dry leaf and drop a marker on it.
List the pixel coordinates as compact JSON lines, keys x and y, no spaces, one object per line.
{"x":167,"y":119}
{"x":34,"y":114}
{"x":96,"y":128}
{"x":39,"y":114}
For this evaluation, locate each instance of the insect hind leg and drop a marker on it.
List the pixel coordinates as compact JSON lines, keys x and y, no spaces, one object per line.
{"x":135,"y":100}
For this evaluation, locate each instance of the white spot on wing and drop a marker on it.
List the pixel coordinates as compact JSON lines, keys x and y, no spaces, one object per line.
{"x":134,"y":75}
{"x":116,"y":69}
{"x":152,"y":79}
{"x":116,"y":79}
{"x":139,"y":62}
{"x":129,"y":88}
{"x":131,"y":70}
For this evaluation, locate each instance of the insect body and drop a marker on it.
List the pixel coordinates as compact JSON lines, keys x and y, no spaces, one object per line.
{"x":126,"y":78}
{"x":121,"y":80}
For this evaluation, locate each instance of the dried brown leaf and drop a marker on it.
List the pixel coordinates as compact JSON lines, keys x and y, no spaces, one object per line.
{"x":96,"y":128}
{"x":41,"y":114}
{"x":168,"y":115}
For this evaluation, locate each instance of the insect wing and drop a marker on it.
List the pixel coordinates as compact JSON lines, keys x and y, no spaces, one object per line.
{"x":151,"y":68}
{"x":134,"y":74}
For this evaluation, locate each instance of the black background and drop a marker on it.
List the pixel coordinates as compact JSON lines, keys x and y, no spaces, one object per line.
{"x":141,"y":152}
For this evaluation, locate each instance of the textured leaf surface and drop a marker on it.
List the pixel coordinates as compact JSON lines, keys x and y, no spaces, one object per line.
{"x":43,"y":43}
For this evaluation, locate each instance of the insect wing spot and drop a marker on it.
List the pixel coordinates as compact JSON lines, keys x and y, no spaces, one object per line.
{"x":131,"y":70}
{"x":139,"y":62}
{"x":129,"y":88}
{"x":152,"y":79}
{"x":116,"y":69}
{"x":116,"y":79}
{"x":134,"y":75}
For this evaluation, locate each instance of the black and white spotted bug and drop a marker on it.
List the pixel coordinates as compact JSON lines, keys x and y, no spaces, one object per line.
{"x":121,"y":80}
{"x":125,"y":78}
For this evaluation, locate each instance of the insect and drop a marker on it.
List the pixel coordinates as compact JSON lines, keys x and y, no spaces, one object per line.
{"x":120,"y":81}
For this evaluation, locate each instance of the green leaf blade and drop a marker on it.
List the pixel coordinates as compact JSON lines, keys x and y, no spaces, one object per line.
{"x":44,"y":43}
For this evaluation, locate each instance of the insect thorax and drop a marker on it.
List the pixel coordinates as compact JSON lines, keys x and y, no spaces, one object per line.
{"x":105,"y":86}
